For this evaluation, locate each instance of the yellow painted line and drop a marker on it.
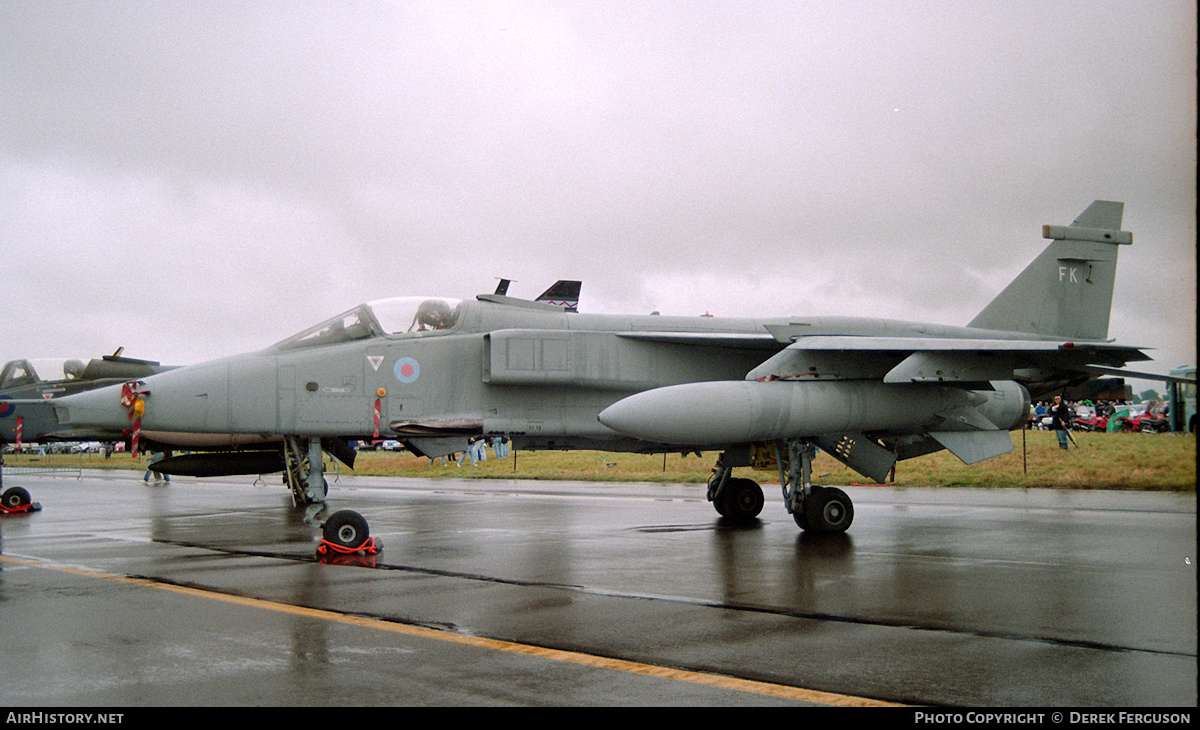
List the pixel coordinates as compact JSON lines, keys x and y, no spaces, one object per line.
{"x":559,"y":655}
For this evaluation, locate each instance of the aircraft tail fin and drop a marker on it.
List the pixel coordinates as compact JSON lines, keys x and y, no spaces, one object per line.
{"x":1067,"y":290}
{"x":563,"y":294}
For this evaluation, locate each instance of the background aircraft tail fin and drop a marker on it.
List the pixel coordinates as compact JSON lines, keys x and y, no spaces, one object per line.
{"x":1067,"y":290}
{"x":563,"y":294}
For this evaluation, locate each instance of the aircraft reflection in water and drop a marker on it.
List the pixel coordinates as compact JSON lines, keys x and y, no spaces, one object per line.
{"x":433,"y":372}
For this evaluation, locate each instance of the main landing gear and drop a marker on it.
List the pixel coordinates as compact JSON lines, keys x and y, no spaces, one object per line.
{"x":345,"y":532}
{"x":736,"y":499}
{"x":823,"y":510}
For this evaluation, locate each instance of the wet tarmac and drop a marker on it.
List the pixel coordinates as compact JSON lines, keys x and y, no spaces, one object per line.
{"x":498,"y":593}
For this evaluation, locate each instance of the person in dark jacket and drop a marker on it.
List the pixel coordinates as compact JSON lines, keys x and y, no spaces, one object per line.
{"x":1060,"y":415}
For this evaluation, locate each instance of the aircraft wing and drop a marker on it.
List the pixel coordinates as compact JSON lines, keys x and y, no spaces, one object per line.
{"x":1146,"y":376}
{"x":937,"y":359}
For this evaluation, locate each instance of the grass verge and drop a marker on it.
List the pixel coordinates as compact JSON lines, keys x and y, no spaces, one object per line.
{"x":1150,"y":462}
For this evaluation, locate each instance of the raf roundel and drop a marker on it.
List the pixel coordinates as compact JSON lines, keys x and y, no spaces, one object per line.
{"x":407,"y":370}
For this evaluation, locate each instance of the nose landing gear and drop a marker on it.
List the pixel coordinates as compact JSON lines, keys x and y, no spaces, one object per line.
{"x":344,"y":533}
{"x":17,"y":499}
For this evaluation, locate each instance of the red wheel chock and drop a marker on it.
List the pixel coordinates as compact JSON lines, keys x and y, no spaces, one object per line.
{"x":368,"y":547}
{"x":31,"y":507}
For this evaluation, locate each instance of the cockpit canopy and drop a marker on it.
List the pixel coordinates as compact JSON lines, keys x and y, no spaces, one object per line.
{"x":396,"y":316}
{"x":16,"y":373}
{"x":22,"y":373}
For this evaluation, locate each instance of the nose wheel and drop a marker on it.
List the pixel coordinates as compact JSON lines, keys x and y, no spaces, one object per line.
{"x":17,"y":499}
{"x":343,"y":533}
{"x":14,"y":499}
{"x":346,"y":532}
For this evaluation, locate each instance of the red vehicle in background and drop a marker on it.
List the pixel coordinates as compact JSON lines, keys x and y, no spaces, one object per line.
{"x":1090,"y":420}
{"x":1145,"y":418}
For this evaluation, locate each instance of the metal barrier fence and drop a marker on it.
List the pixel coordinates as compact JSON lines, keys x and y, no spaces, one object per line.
{"x":43,"y":463}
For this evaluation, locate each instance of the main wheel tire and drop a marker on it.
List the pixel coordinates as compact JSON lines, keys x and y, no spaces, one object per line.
{"x":742,"y":499}
{"x":719,"y":505}
{"x":801,"y":519}
{"x":801,"y":515}
{"x":828,"y":510}
{"x":346,"y":528}
{"x":14,"y":497}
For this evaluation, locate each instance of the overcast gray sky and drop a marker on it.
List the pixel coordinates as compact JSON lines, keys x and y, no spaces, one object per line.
{"x":195,"y":179}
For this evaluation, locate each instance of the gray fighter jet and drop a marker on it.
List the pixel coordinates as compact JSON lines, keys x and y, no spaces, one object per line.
{"x":435,"y":372}
{"x":47,"y":378}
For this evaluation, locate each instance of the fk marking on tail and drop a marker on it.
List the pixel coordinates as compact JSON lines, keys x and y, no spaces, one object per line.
{"x":1067,"y":291}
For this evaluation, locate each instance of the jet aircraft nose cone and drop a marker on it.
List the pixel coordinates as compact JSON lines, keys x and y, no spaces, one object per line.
{"x":99,"y":408}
